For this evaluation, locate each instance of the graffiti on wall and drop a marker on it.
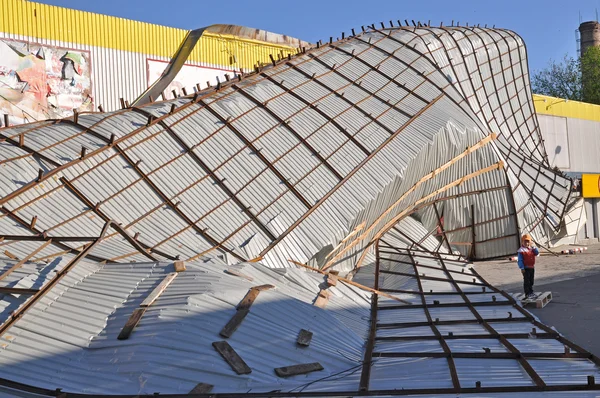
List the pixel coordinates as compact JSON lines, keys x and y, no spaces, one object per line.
{"x":187,"y":78}
{"x":43,"y":82}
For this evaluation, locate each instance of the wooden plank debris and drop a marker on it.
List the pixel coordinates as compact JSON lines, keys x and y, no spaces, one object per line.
{"x":251,"y":296}
{"x":332,"y":279}
{"x":158,"y":290}
{"x":179,"y":266}
{"x":138,"y":313}
{"x":231,"y":357}
{"x":304,"y":338}
{"x":234,"y":323}
{"x":234,"y":272}
{"x":131,"y":323}
{"x":294,"y":370}
{"x":24,"y":260}
{"x":349,"y":282}
{"x":242,"y":310}
{"x":322,"y":298}
{"x":201,"y":388}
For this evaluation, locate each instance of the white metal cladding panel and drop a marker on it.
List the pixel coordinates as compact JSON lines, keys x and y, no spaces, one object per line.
{"x":491,"y":372}
{"x":556,"y":140}
{"x":198,"y":316}
{"x":564,"y":371}
{"x":406,"y":373}
{"x":423,"y":346}
{"x":584,"y":145}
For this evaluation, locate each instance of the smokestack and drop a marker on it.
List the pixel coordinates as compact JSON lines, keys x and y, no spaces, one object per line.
{"x":590,"y":35}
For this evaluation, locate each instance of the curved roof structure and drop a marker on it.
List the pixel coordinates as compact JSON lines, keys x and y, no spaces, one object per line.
{"x":422,"y":138}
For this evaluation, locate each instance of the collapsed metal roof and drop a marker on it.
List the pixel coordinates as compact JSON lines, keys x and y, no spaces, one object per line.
{"x":422,"y":138}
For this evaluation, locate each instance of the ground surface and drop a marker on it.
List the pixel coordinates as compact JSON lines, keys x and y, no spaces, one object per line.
{"x":574,"y":281}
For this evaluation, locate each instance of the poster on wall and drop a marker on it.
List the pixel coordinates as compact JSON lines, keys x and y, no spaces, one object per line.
{"x":187,"y":78}
{"x":40,"y":82}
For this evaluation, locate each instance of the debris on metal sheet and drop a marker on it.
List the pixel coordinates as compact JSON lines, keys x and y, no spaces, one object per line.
{"x":201,"y":388}
{"x":231,"y":357}
{"x":179,"y":266}
{"x":232,"y":271}
{"x":131,"y":323}
{"x":304,"y":338}
{"x":243,"y":308}
{"x":138,"y":313}
{"x":234,"y":323}
{"x":322,"y":298}
{"x":350,"y":282}
{"x":293,"y":370}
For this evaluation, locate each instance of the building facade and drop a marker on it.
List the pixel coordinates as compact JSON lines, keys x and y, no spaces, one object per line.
{"x":54,"y":59}
{"x":571,"y":132}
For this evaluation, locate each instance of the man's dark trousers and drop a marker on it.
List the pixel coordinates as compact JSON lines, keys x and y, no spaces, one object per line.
{"x":528,"y":280}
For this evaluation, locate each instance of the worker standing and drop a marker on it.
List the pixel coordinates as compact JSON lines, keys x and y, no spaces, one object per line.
{"x":526,"y":260}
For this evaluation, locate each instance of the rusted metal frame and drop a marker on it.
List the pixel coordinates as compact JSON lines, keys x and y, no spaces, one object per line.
{"x":31,"y":151}
{"x":435,"y":330}
{"x":48,"y":286}
{"x":430,"y":278}
{"x":27,"y":258}
{"x":351,"y":104}
{"x":473,"y":234}
{"x":452,"y":305}
{"x":365,"y":375}
{"x":133,"y":242}
{"x":525,"y":86}
{"x":445,"y":237}
{"x":349,"y":175}
{"x":404,"y":325}
{"x":479,"y":355}
{"x":329,"y":119}
{"x":258,"y":153}
{"x":440,"y":294}
{"x":486,"y":324}
{"x":253,"y":178}
{"x":412,"y":241}
{"x":480,"y":77}
{"x":538,"y":324}
{"x":56,"y":243}
{"x":375,"y":68}
{"x":468,"y":108}
{"x":38,"y":238}
{"x":456,"y":46}
{"x":289,"y":128}
{"x":445,"y":50}
{"x":423,"y":265}
{"x":422,"y":256}
{"x":504,"y":80}
{"x":56,"y":170}
{"x":161,"y":194}
{"x":481,"y":223}
{"x":498,"y":238}
{"x":549,"y":192}
{"x":545,"y":336}
{"x":189,"y":151}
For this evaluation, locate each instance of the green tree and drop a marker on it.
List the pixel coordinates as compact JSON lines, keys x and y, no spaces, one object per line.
{"x":574,"y":79}
{"x":559,"y":79}
{"x":590,"y":75}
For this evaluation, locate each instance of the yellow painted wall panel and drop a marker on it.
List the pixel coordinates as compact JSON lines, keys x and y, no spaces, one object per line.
{"x":590,"y":185}
{"x":546,"y":105}
{"x":37,"y":20}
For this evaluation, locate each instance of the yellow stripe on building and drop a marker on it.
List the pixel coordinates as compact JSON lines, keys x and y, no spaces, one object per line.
{"x":546,"y":105}
{"x":20,"y":17}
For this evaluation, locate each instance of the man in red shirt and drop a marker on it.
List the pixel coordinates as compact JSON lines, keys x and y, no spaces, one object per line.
{"x":526,"y":261}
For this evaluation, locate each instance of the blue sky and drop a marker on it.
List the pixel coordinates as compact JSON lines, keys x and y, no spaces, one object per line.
{"x":548,"y":27}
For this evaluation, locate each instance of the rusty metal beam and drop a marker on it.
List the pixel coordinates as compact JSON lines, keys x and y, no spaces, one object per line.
{"x":219,"y":182}
{"x":321,"y":113}
{"x":258,"y":153}
{"x":286,"y":125}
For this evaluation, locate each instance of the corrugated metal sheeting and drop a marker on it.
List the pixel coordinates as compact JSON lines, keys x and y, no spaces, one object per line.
{"x":372,"y":140}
